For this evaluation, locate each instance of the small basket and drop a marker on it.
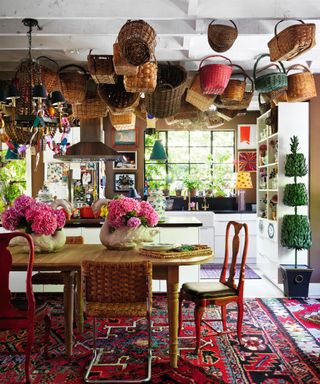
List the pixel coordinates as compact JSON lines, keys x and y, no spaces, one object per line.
{"x":263,"y":107}
{"x":280,"y":95}
{"x":101,"y":68}
{"x":116,"y":97}
{"x":271,"y":81}
{"x":144,"y":81}
{"x":301,"y":86}
{"x":214,"y":77}
{"x":221,"y":37}
{"x":165,"y":101}
{"x":137,"y":41}
{"x":197,"y":98}
{"x":236,"y":88}
{"x":121,"y":66}
{"x":73,"y":83}
{"x":292,"y":41}
{"x":123,"y":121}
{"x":90,"y":109}
{"x":49,"y":77}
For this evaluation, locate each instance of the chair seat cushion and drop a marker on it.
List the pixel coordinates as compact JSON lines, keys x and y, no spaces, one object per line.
{"x":116,"y":309}
{"x":208,"y":290}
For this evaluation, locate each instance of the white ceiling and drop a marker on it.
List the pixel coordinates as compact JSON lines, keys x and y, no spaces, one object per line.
{"x":70,"y":28}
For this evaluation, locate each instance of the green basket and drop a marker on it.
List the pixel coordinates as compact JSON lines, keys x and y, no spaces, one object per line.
{"x":270,"y":81}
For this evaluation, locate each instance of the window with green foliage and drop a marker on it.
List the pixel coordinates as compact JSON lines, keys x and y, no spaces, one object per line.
{"x":207,"y":156}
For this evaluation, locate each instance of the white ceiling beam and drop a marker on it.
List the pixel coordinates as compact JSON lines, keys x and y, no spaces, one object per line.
{"x":192,"y":7}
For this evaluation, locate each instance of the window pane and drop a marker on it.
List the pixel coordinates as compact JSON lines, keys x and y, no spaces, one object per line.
{"x":223,"y":138}
{"x":178,"y":138}
{"x":200,"y":138}
{"x":150,"y":139}
{"x":199,"y":154}
{"x":178,"y":154}
{"x":201,"y":170}
{"x":223,"y":155}
{"x":155,"y":171}
{"x":178,"y":171}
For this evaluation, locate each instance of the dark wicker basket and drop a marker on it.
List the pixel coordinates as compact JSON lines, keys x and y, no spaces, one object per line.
{"x":115,"y":95}
{"x":73,"y":83}
{"x":165,"y":101}
{"x":137,"y":40}
{"x":101,"y":68}
{"x":221,"y":37}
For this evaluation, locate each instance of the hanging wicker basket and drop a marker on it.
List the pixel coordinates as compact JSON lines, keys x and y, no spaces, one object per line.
{"x":101,"y":68}
{"x":165,"y":101}
{"x":270,"y":81}
{"x":196,"y":97}
{"x":214,"y":77}
{"x":144,"y":81}
{"x":49,"y":77}
{"x":263,"y":107}
{"x":292,"y":41}
{"x":121,"y":65}
{"x":235,"y":88}
{"x":137,"y":41}
{"x":221,"y":37}
{"x":301,"y":86}
{"x":29,"y":136}
{"x":116,"y":97}
{"x":90,"y":109}
{"x":73,"y":83}
{"x":123,"y":121}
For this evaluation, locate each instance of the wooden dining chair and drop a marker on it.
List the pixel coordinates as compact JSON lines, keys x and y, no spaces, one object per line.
{"x":219,"y":293}
{"x":20,"y":312}
{"x":117,"y":290}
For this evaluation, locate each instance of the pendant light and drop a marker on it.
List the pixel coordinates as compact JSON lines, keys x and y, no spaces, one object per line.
{"x":158,"y":151}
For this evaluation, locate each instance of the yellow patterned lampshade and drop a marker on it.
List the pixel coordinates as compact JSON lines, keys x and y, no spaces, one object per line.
{"x":244,"y":180}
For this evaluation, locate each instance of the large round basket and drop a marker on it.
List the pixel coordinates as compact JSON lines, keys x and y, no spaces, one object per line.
{"x":301,"y":86}
{"x":137,"y":40}
{"x":49,"y":73}
{"x":73,"y":83}
{"x":165,"y":101}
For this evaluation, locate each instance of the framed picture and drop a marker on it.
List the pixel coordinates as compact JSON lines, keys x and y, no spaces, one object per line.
{"x":123,"y":139}
{"x":129,"y":162}
{"x":124,"y":181}
{"x":247,"y":161}
{"x":247,"y":136}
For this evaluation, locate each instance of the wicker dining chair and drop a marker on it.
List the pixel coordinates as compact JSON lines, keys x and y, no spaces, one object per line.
{"x":219,"y":293}
{"x":117,"y":290}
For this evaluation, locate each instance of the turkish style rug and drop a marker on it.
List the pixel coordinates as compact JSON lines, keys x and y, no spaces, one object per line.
{"x":281,"y":344}
{"x":213,"y":271}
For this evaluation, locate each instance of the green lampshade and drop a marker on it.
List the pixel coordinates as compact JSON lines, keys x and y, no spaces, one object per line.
{"x":158,"y":151}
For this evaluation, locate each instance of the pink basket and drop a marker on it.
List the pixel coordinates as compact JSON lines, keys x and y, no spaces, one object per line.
{"x":214,"y":77}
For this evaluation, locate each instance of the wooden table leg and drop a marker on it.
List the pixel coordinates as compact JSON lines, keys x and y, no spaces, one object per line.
{"x":173,"y":306}
{"x":79,"y":304}
{"x":68,"y":311}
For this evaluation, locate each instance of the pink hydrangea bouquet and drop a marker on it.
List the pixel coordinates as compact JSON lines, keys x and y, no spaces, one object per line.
{"x":125,"y":211}
{"x":33,"y":216}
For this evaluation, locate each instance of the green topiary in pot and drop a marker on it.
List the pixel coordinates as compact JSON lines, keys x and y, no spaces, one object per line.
{"x":295,"y":229}
{"x":295,"y":195}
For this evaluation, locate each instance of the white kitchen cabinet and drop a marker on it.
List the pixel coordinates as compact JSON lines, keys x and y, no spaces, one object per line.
{"x":292,"y":119}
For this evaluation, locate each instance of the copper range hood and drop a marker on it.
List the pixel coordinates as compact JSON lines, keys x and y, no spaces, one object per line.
{"x":90,"y":147}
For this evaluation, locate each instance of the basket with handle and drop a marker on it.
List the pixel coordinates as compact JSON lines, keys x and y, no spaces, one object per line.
{"x":221,"y":37}
{"x":123,"y":121}
{"x":165,"y":101}
{"x":196,"y":97}
{"x":280,"y":95}
{"x":236,"y":88}
{"x":301,"y":86}
{"x":292,"y":41}
{"x":49,"y":77}
{"x":270,"y":81}
{"x":145,"y":80}
{"x":73,"y":83}
{"x":137,"y":41}
{"x":92,"y":107}
{"x":214,"y":77}
{"x":116,"y":97}
{"x":101,"y":68}
{"x":121,"y":65}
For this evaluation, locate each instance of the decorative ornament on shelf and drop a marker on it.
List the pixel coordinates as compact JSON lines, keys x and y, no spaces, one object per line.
{"x":41,"y":221}
{"x":128,"y":223}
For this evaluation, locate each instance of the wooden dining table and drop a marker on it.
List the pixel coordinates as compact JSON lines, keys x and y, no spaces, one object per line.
{"x":68,"y":260}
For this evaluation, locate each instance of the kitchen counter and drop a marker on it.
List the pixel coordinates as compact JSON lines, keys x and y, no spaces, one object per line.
{"x":172,"y":221}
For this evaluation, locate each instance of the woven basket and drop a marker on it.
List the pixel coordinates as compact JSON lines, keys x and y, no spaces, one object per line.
{"x":197,"y":98}
{"x":90,"y":109}
{"x":263,"y":107}
{"x":137,"y":40}
{"x":271,"y":81}
{"x":121,"y":66}
{"x":165,"y":101}
{"x":49,"y":77}
{"x":116,"y":97}
{"x":73,"y":83}
{"x":292,"y":41}
{"x":144,"y":81}
{"x":214,"y":77}
{"x":236,"y":88}
{"x":301,"y":86}
{"x":280,"y":95}
{"x":26,"y":135}
{"x":221,"y":37}
{"x":101,"y":68}
{"x":123,"y":121}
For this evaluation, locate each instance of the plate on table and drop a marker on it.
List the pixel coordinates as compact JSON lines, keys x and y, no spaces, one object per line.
{"x":160,"y":246}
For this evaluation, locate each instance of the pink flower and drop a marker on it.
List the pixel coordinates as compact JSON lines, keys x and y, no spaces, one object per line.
{"x":147,"y":211}
{"x":10,"y":219}
{"x":133,"y":222}
{"x":22,"y":203}
{"x":60,"y":217}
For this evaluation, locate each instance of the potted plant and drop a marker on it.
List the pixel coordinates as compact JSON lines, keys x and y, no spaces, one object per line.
{"x":192,"y":183}
{"x":295,"y":229}
{"x":166,"y":185}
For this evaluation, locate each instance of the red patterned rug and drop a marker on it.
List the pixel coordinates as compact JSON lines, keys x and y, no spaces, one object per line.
{"x":281,"y":345}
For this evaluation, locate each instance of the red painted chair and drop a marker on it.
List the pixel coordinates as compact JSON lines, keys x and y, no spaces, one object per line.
{"x":16,"y":313}
{"x":219,"y":293}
